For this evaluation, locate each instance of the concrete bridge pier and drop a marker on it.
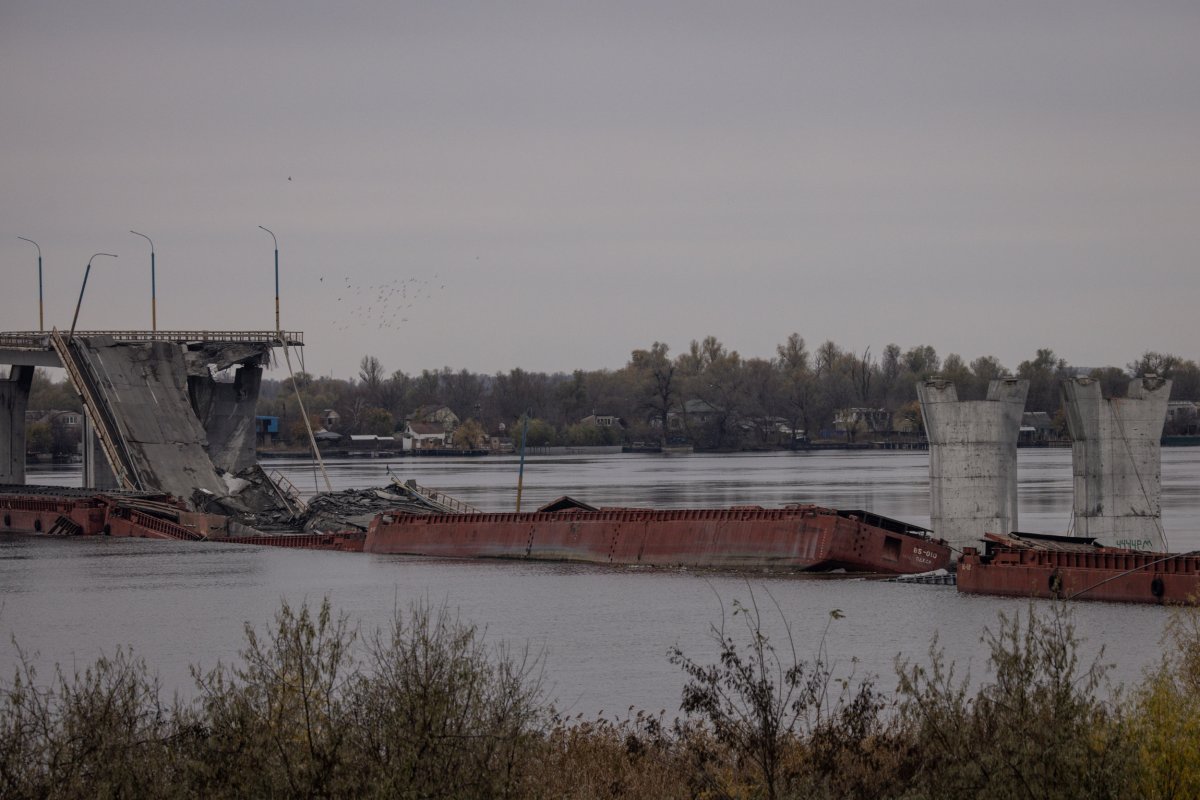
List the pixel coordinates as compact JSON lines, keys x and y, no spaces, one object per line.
{"x":14,"y":399}
{"x":972,"y":459}
{"x":97,"y":474}
{"x":226,"y":410}
{"x":1116,"y":457}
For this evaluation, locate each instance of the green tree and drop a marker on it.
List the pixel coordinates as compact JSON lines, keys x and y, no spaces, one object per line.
{"x":984,"y":370}
{"x":1045,"y":372}
{"x":657,"y":387}
{"x":955,"y":370}
{"x":370,"y":373}
{"x":922,"y":361}
{"x":377,"y":421}
{"x":469,"y":436}
{"x":1039,"y":728}
{"x":798,"y":384}
{"x":38,"y":438}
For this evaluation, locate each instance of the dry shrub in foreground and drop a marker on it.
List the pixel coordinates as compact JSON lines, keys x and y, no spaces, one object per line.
{"x":1040,"y":728}
{"x":102,"y":732}
{"x":426,"y":710}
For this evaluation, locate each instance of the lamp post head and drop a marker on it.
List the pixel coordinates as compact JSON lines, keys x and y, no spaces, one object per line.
{"x":147,"y":238}
{"x":41,"y":302}
{"x":32,"y":242}
{"x":79,"y":302}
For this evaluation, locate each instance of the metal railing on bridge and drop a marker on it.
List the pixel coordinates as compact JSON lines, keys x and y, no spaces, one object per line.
{"x":35,"y":340}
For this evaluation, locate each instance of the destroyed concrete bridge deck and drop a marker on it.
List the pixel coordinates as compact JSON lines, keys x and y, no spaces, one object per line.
{"x":34,"y":349}
{"x":157,"y":417}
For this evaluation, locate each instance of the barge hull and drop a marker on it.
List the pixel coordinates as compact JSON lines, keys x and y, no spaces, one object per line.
{"x":1107,"y":574}
{"x":795,"y":538}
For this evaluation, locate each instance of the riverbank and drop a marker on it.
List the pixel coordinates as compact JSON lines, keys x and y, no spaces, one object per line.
{"x":425,"y":707}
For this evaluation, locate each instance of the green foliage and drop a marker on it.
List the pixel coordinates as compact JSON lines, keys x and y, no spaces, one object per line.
{"x":279,"y":718}
{"x":539,"y":434}
{"x":39,"y":438}
{"x":102,"y":732}
{"x":470,"y":435}
{"x":46,"y":393}
{"x":377,"y":421}
{"x":752,"y":399}
{"x":803,"y":732}
{"x":1164,"y":721}
{"x":1039,"y":728}
{"x":438,"y":714}
{"x":425,"y":709}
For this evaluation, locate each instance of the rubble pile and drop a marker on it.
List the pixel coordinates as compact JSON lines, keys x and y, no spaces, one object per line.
{"x":354,"y":508}
{"x":256,"y":504}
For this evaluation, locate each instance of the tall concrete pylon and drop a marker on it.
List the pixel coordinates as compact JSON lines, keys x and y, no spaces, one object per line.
{"x":972,"y":459}
{"x":14,"y":399}
{"x":1116,"y":457}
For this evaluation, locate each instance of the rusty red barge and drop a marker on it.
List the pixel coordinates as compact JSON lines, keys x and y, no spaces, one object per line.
{"x":54,"y":511}
{"x":794,"y":538}
{"x":1063,"y":567}
{"x":809,"y":538}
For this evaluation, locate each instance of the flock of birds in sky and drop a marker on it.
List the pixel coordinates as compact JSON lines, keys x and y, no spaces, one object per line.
{"x":384,"y":305}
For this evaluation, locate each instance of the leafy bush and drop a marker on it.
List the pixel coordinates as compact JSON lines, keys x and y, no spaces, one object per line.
{"x":1039,"y":729}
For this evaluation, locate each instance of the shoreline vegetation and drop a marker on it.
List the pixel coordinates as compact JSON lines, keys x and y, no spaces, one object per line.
{"x":427,"y":708}
{"x":706,"y":396}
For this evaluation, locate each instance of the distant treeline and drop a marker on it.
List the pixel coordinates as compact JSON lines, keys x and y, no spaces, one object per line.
{"x":427,"y":709}
{"x":708,"y":396}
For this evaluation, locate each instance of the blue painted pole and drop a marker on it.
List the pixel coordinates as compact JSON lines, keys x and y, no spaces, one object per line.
{"x":153,"y":301}
{"x":521,"y":470}
{"x":278,"y":327}
{"x":41,"y":305}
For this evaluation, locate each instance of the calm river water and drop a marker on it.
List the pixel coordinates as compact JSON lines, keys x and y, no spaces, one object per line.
{"x":603,"y":632}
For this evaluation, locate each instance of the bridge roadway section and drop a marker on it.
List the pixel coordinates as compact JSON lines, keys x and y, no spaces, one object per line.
{"x":156,"y":419}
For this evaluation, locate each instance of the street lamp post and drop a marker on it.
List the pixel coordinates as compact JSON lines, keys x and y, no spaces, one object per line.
{"x":153,"y":304}
{"x":278,"y":329}
{"x":79,"y":302}
{"x":41,"y":310}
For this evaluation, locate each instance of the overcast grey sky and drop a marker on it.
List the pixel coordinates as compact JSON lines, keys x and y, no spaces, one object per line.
{"x":586,"y":178}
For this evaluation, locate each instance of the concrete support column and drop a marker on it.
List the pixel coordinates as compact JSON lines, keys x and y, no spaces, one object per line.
{"x":226,"y":410}
{"x":972,"y":459}
{"x":97,"y":472}
{"x":14,"y":399}
{"x":1116,"y":456}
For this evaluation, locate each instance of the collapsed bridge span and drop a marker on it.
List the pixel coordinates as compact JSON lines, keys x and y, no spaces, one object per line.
{"x":158,"y":417}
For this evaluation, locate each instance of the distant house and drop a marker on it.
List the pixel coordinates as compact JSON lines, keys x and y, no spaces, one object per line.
{"x":370,"y":441}
{"x":70,"y":420}
{"x":425,"y":436}
{"x":1183,"y":417}
{"x":325,"y":437}
{"x":1036,"y":426}
{"x":66,"y":428}
{"x":266,"y":431}
{"x":436,"y":414}
{"x":691,"y":412}
{"x":859,"y":420}
{"x":602,"y":421}
{"x":330,"y":419}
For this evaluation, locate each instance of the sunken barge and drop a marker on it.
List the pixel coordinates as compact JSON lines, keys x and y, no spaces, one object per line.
{"x":1069,"y":568}
{"x":794,"y":538}
{"x":170,"y":449}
